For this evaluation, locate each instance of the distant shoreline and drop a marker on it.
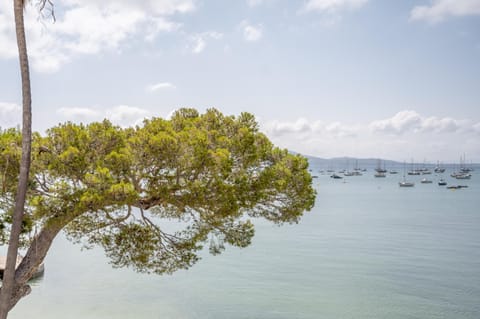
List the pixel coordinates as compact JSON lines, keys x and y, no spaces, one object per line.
{"x":373,"y":162}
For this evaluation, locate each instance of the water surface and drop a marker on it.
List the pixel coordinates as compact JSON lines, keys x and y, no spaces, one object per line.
{"x":369,"y":249}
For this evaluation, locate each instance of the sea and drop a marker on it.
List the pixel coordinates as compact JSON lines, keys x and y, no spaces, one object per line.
{"x":368,"y":249}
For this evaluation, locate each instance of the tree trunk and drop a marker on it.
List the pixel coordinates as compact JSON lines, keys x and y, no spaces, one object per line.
{"x":36,"y":253}
{"x":8,"y":287}
{"x":31,"y":261}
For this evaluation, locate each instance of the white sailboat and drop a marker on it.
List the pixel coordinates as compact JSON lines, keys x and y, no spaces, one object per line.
{"x":404,"y":183}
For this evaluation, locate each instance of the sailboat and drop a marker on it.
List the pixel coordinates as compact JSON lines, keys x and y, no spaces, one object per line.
{"x":414,"y":170}
{"x":426,"y":181}
{"x":464,"y":172}
{"x":439,"y":168}
{"x":380,"y":172}
{"x":404,"y":183}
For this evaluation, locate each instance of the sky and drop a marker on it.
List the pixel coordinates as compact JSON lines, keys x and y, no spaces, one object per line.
{"x":330,"y":78}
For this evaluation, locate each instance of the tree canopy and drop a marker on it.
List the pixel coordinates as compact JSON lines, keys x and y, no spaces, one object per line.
{"x":208,"y":174}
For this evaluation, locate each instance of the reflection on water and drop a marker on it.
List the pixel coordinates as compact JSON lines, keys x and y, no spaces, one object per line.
{"x":37,"y":280}
{"x":369,"y":249}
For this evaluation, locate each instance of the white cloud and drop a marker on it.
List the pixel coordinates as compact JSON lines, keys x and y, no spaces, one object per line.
{"x":303,"y":126}
{"x":198,"y":42}
{"x":122,"y":115}
{"x":331,"y":6}
{"x":125,"y":115}
{"x":339,"y":130}
{"x":401,"y":122}
{"x":438,"y":125}
{"x":10,"y":114}
{"x":280,"y":128}
{"x":405,"y":135}
{"x":255,"y":3}
{"x":7,"y":108}
{"x":78,"y":113}
{"x":313,"y":137}
{"x":476,"y":127}
{"x":88,"y":27}
{"x":405,"y":122}
{"x":156,"y":7}
{"x":160,"y":86}
{"x":439,"y":10}
{"x":251,"y":33}
{"x":159,"y":25}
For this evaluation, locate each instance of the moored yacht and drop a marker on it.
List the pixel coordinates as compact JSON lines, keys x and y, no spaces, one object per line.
{"x":380,"y":169}
{"x":439,"y":170}
{"x":406,"y":184}
{"x":426,"y":181}
{"x":442,"y":182}
{"x":461,"y":175}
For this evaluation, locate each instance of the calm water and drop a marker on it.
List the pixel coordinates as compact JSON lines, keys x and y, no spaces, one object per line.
{"x":369,"y":249}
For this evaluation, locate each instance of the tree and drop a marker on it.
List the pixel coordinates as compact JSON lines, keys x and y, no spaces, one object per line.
{"x":9,"y":292}
{"x":110,"y":186}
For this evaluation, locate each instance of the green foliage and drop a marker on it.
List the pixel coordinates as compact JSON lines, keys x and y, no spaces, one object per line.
{"x":10,"y":153}
{"x":154,"y":195}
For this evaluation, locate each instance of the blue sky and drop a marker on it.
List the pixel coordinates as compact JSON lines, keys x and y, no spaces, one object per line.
{"x":364,"y":78}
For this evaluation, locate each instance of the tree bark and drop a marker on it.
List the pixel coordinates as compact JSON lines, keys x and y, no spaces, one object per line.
{"x":30,"y":263}
{"x":8,"y":286}
{"x":36,"y":253}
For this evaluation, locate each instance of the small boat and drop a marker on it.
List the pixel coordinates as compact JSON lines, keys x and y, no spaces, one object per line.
{"x":3,"y":261}
{"x":463,"y":176}
{"x":352,"y":173}
{"x":463,"y":168}
{"x":442,"y":182}
{"x":380,"y":174}
{"x":380,"y":169}
{"x":426,"y":181}
{"x":335,"y":176}
{"x":406,"y":184}
{"x":457,"y":186}
{"x":439,"y":170}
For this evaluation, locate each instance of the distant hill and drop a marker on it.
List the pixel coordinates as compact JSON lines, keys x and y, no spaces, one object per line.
{"x":349,"y":163}
{"x":338,"y":163}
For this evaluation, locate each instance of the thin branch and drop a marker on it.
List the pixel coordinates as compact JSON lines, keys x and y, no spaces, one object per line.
{"x":119,"y":220}
{"x":51,"y":8}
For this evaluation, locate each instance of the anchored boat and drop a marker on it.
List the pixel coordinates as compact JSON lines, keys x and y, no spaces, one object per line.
{"x":3,"y":262}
